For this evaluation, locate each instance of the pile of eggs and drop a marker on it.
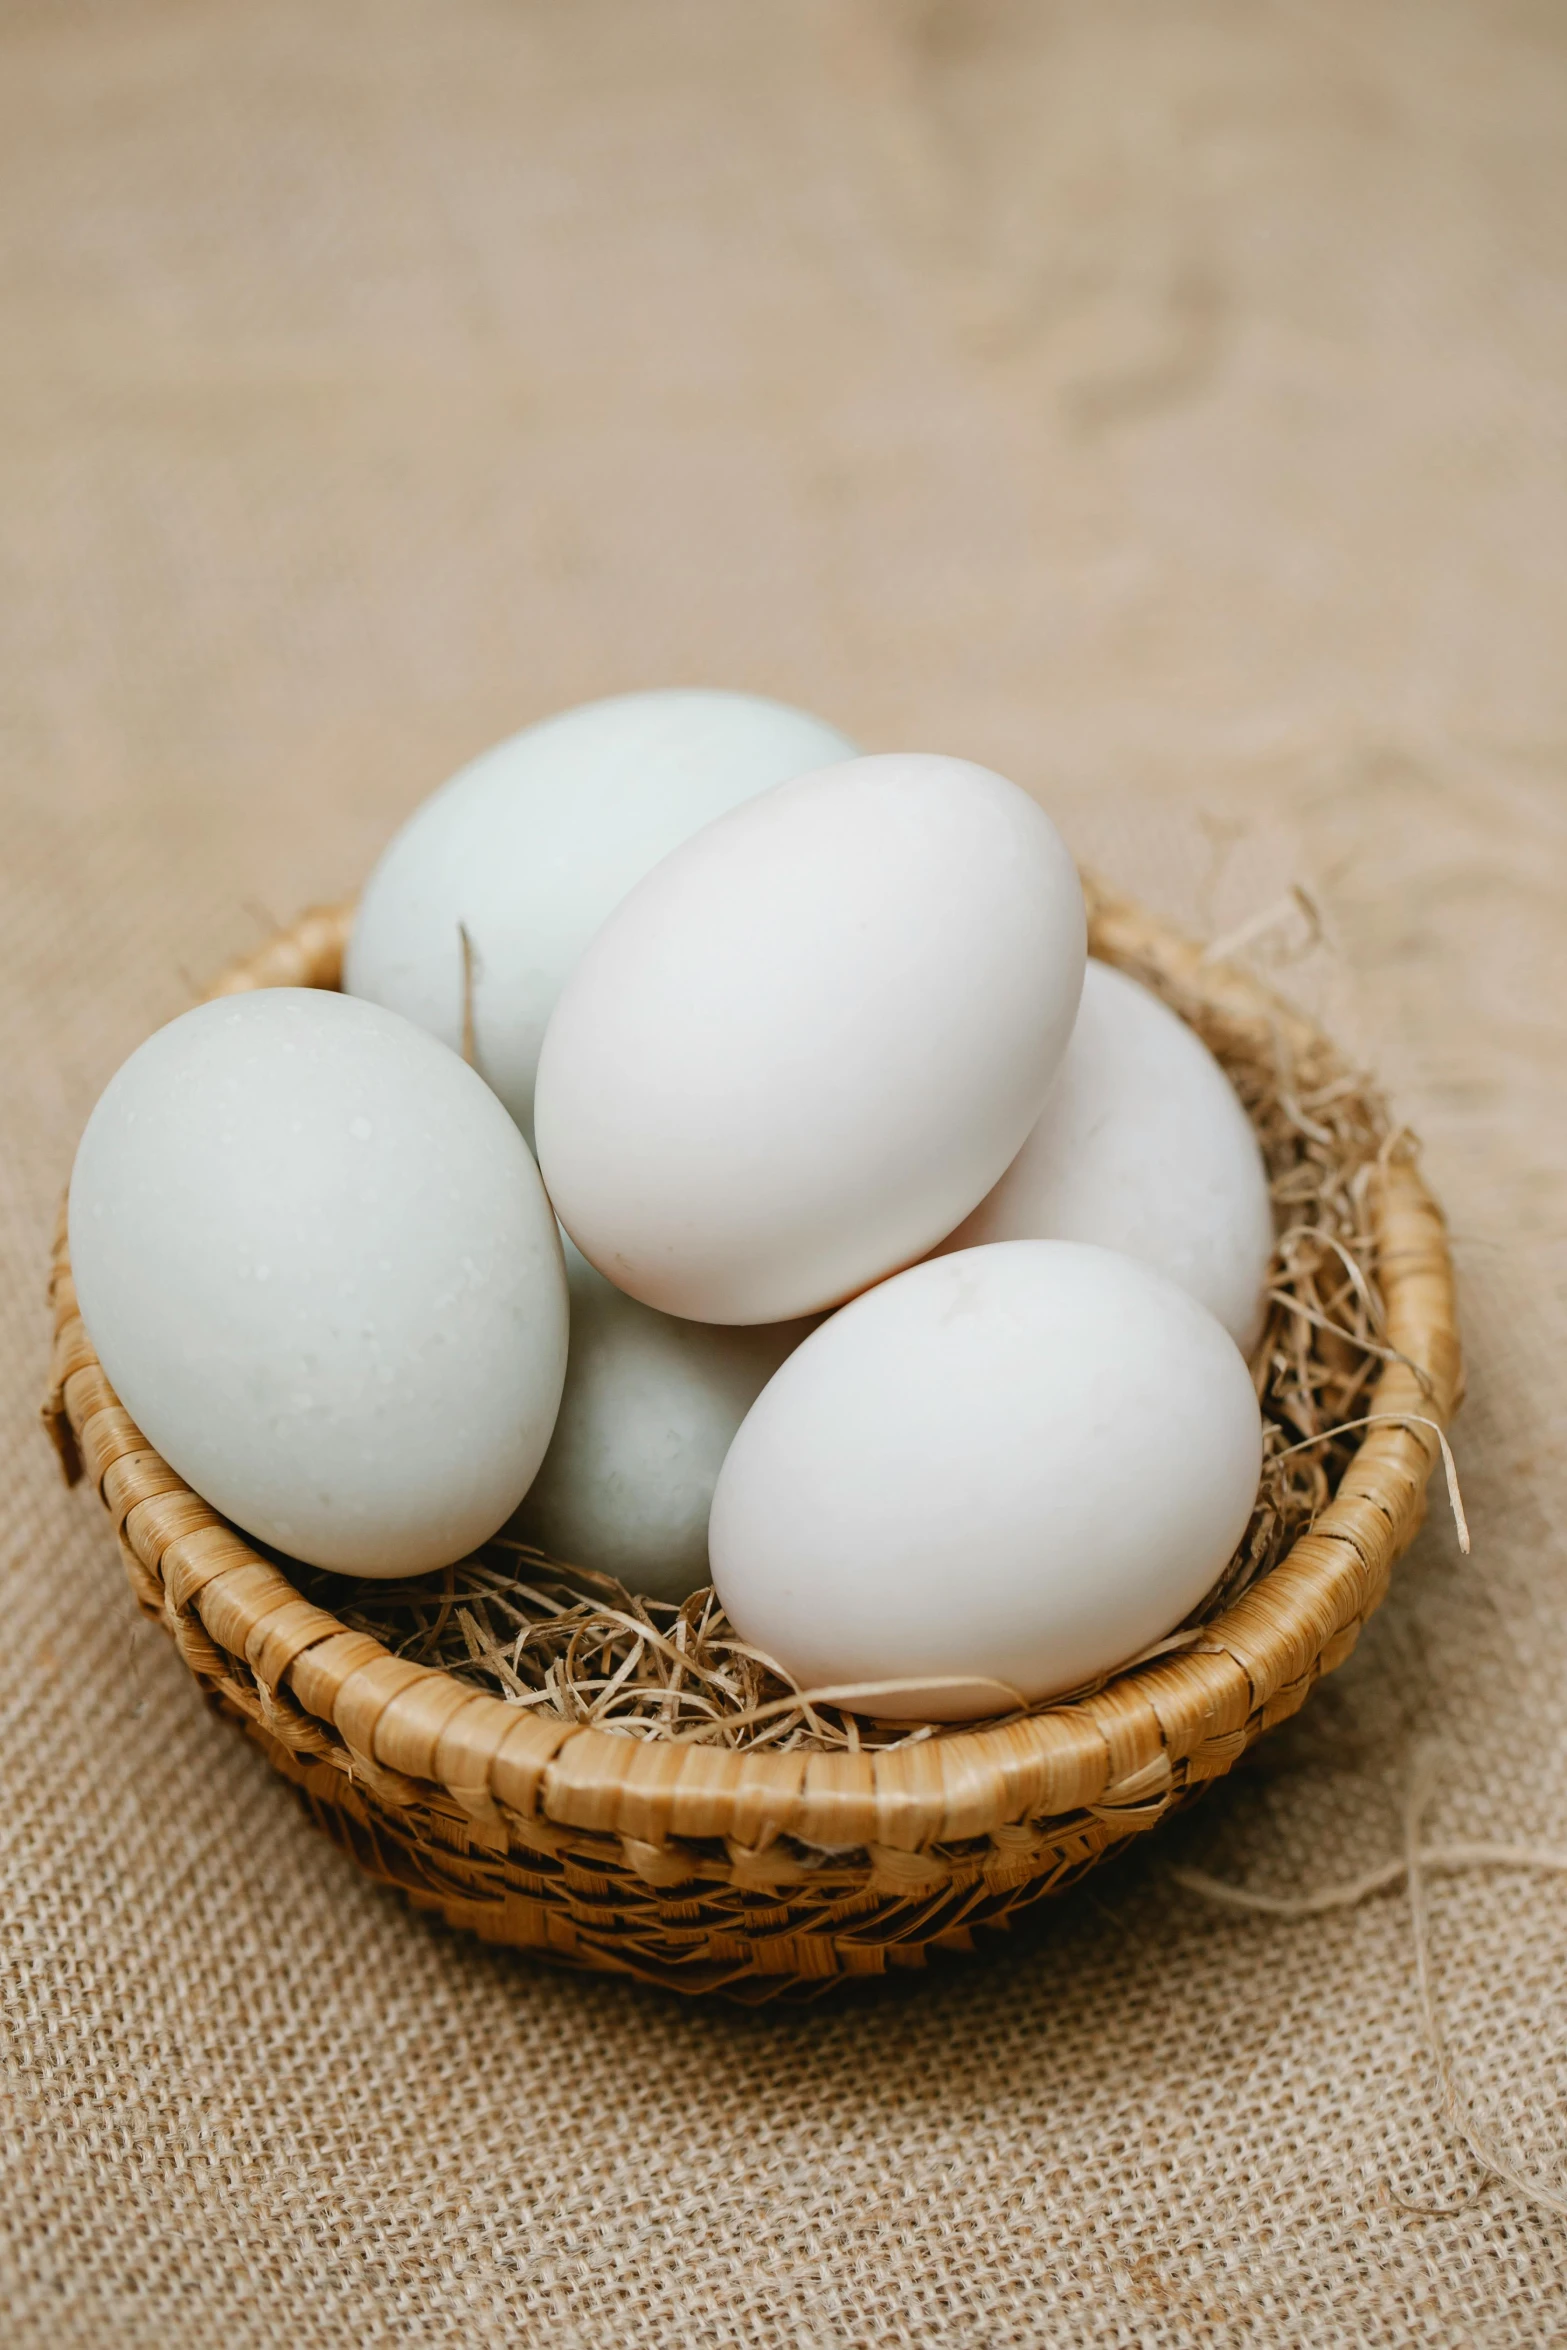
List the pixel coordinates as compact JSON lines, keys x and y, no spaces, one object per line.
{"x":723,"y":1163}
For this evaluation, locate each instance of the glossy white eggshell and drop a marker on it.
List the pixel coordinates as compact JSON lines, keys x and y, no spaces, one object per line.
{"x":1010,"y":1468}
{"x":530,"y":846}
{"x":650,"y":1408}
{"x":1143,"y":1145}
{"x":317,"y":1263}
{"x":812,"y":1039}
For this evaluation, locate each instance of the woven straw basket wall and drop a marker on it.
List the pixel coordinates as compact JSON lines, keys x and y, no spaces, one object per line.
{"x":752,"y":1872}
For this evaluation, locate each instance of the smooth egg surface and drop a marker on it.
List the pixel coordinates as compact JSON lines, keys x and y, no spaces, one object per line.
{"x":650,"y":1408}
{"x":316,"y":1260}
{"x":1143,"y":1145}
{"x":1004,"y":1471}
{"x":528,"y":848}
{"x":812,"y":1039}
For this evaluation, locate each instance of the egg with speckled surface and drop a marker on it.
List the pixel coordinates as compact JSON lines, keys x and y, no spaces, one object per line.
{"x":316,"y":1261}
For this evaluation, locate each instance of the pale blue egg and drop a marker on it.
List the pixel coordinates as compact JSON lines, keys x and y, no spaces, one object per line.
{"x":533,"y":845}
{"x":651,"y":1407}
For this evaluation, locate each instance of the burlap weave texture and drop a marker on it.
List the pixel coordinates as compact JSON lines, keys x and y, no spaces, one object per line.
{"x":1163,"y":404}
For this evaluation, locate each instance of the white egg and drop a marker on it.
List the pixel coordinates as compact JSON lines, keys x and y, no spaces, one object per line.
{"x":534,"y":843}
{"x":318,"y":1265}
{"x":812,"y":1039}
{"x":1143,"y":1146}
{"x":650,"y":1409}
{"x":1008,"y":1469}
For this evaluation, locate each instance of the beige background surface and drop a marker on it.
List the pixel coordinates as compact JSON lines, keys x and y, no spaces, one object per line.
{"x":1161,"y":402}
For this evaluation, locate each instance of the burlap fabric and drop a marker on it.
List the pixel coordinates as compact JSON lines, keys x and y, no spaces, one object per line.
{"x":1163,"y":404}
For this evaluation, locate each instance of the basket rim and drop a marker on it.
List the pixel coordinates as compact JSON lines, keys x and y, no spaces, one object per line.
{"x":408,"y":1728}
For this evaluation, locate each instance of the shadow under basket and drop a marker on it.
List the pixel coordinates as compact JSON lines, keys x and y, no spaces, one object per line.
{"x":759,"y":1872}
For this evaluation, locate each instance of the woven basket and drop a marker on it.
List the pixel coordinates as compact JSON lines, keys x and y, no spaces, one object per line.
{"x":707,"y":1868}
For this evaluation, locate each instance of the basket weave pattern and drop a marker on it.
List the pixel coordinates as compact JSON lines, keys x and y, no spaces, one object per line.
{"x":757,"y":1873}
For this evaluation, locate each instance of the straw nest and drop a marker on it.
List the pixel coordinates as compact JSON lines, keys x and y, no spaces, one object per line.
{"x":555,"y":1763}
